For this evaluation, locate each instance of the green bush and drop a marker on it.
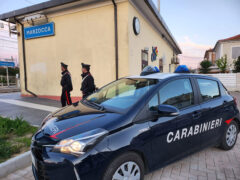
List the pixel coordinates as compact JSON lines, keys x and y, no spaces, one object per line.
{"x":11,"y":71}
{"x":237,"y":65}
{"x":222,"y":64}
{"x":15,"y":136}
{"x":205,"y":66}
{"x":17,"y":126}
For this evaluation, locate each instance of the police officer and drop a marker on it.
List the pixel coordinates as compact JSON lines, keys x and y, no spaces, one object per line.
{"x":88,"y":86}
{"x":66,"y":83}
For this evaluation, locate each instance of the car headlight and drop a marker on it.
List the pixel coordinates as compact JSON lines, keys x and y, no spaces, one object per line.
{"x":79,"y":144}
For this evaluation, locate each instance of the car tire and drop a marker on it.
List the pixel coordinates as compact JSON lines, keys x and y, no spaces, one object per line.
{"x":119,"y":167}
{"x":230,"y":136}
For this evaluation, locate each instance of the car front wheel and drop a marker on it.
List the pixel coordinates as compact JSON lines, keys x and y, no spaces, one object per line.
{"x":230,"y":136}
{"x":128,"y":166}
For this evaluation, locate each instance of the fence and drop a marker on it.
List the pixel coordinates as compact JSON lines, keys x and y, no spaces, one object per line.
{"x":12,"y":80}
{"x":230,"y":80}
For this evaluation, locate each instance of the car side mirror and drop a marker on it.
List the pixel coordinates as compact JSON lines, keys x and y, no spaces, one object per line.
{"x":167,"y":110}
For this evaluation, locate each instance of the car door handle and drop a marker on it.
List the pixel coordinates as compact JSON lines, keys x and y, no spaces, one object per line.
{"x":196,"y":115}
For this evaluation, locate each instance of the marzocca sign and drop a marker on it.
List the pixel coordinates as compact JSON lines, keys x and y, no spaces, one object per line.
{"x":39,"y":31}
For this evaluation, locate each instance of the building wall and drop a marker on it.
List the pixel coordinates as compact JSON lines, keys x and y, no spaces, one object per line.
{"x":218,"y":51}
{"x":227,"y":49}
{"x":230,"y":80}
{"x":83,"y":36}
{"x":147,"y":38}
{"x":8,"y":44}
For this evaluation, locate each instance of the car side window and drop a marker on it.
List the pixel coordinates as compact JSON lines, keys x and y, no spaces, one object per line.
{"x":178,"y":93}
{"x":153,"y":103}
{"x":209,"y":89}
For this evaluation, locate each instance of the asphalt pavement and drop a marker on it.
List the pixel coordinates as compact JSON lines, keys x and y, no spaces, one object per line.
{"x":30,"y":109}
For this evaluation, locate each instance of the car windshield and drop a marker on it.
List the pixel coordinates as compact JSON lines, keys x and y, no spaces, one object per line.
{"x":122,"y":94}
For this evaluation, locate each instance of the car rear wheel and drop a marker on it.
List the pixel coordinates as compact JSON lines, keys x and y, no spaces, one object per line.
{"x":127,"y":166}
{"x":230,"y":136}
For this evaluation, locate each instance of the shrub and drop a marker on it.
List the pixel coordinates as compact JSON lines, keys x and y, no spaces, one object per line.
{"x":205,"y":66}
{"x":237,"y":65}
{"x":222,"y":64}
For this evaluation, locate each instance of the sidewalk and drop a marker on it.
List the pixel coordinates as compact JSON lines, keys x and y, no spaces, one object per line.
{"x":10,"y":89}
{"x":31,"y":109}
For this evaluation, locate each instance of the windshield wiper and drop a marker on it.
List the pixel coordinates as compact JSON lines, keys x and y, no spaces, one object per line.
{"x":93,"y":104}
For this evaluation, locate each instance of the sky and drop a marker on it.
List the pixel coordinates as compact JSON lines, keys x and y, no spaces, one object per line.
{"x":195,"y":24}
{"x":198,"y":24}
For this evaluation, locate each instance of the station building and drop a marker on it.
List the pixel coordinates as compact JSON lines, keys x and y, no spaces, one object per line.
{"x":116,"y":37}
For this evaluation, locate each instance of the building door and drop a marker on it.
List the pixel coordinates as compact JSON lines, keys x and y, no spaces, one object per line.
{"x":144,"y":58}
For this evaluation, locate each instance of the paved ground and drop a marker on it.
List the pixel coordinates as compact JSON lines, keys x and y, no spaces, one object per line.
{"x":32,"y":109}
{"x":6,"y":89}
{"x":209,"y":164}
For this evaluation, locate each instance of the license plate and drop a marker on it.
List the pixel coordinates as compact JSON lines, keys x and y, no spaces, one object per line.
{"x":33,"y":160}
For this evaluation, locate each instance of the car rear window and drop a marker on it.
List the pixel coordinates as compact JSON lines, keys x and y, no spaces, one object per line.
{"x":209,"y":89}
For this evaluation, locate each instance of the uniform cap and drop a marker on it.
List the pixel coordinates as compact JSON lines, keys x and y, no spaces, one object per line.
{"x":64,"y":65}
{"x":86,"y":66}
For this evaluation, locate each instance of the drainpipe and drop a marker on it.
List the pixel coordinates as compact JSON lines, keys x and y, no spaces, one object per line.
{"x":116,"y":36}
{"x":24,"y":59}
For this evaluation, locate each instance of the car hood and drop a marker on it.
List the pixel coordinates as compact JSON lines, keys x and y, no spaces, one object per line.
{"x":77,"y":119}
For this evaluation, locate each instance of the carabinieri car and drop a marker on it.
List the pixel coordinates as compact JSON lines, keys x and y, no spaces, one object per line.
{"x":135,"y":125}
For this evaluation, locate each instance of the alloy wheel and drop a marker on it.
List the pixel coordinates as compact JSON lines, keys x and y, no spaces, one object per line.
{"x":231,"y":135}
{"x":127,"y":171}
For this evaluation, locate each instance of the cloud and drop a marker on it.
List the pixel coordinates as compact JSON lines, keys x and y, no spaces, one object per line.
{"x":193,"y":53}
{"x":190,"y":48}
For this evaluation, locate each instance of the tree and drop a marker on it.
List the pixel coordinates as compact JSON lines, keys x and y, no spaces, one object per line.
{"x":237,"y":65}
{"x":205,"y":66}
{"x":222,"y":64}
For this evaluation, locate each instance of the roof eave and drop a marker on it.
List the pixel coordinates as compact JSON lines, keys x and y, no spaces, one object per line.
{"x":162,"y":22}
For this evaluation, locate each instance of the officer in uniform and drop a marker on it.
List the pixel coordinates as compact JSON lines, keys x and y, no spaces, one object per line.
{"x":66,"y":83}
{"x":88,"y":86}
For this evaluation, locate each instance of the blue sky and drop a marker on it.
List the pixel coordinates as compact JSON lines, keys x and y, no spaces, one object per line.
{"x":198,"y":24}
{"x":195,"y":24}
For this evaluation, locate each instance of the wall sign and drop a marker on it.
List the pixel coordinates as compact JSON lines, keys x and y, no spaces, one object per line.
{"x":154,"y":53}
{"x":7,"y":63}
{"x":39,"y":31}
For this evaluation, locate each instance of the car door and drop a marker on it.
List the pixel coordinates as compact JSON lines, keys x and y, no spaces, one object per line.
{"x":173,"y":137}
{"x":212,"y":108}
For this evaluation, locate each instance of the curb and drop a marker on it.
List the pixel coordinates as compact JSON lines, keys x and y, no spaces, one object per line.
{"x":15,"y":163}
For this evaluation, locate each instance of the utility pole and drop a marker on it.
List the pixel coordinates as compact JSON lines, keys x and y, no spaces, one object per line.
{"x":7,"y":77}
{"x":158,"y":6}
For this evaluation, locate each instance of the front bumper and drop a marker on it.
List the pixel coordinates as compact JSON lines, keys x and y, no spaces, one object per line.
{"x":48,"y":165}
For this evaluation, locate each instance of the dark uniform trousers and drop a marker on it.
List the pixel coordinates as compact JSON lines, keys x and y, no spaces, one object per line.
{"x":66,"y":98}
{"x":66,"y":83}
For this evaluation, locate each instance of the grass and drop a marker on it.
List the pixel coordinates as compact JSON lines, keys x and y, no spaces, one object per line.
{"x":15,"y":137}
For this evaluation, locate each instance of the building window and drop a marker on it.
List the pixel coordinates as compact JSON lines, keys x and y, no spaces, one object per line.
{"x":235,"y":52}
{"x":144,"y":58}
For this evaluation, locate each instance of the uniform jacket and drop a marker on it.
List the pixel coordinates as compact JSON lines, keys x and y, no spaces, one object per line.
{"x":66,"y":81}
{"x":88,"y":86}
